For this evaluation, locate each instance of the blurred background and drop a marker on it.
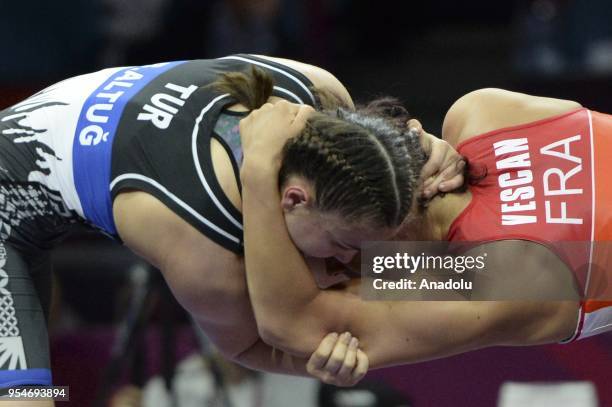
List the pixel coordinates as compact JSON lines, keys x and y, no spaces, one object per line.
{"x":428,"y":54}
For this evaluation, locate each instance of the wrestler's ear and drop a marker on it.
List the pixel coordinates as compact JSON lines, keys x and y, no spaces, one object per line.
{"x":293,"y":197}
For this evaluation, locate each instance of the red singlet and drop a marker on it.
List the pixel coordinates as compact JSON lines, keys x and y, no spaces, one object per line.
{"x":547,"y":182}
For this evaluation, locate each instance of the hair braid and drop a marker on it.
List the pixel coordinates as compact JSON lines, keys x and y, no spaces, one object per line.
{"x":364,"y":164}
{"x":347,"y":164}
{"x":334,"y":162}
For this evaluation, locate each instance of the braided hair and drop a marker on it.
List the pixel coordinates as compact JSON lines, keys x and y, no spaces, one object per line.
{"x":364,"y":164}
{"x":363,"y":168}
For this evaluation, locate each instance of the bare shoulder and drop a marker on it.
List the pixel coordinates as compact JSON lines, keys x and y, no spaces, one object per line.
{"x":488,"y":109}
{"x":206,"y":279}
{"x":195,"y":267}
{"x":321,"y":78}
{"x":535,"y":294}
{"x":144,"y":225}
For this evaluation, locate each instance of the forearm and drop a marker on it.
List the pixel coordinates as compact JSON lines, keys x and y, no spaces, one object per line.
{"x":240,"y":343}
{"x":280,"y":284}
{"x":293,"y":314}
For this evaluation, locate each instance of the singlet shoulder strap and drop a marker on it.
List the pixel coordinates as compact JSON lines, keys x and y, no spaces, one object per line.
{"x":290,"y":84}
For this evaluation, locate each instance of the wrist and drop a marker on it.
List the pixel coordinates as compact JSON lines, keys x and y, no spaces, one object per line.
{"x":256,"y":171}
{"x":263,"y":155}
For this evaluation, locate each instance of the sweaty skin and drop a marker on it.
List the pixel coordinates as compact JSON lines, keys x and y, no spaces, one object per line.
{"x":292,"y":313}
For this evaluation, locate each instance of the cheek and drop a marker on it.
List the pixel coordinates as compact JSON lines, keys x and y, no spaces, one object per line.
{"x":314,"y":245}
{"x":311,"y":246}
{"x":309,"y":239}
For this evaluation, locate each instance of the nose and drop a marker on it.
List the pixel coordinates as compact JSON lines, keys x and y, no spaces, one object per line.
{"x":346,"y":256}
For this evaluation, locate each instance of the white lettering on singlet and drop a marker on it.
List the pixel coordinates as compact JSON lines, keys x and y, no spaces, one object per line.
{"x":562,"y":178}
{"x":164,"y":106}
{"x":515,"y":185}
{"x":517,"y":193}
{"x":98,"y":114}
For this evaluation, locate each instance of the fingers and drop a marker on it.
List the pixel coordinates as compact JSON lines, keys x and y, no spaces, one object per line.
{"x":443,"y":171}
{"x":363,"y":364}
{"x":292,"y":114}
{"x":415,"y":124}
{"x":321,"y":355}
{"x":338,"y":360}
{"x":448,"y":179}
{"x":435,"y":161}
{"x":255,"y":113}
{"x":338,"y":354}
{"x":281,"y":107}
{"x":350,"y":359}
{"x":452,"y":177}
{"x":264,"y":131}
{"x":430,"y":169}
{"x":302,"y":114}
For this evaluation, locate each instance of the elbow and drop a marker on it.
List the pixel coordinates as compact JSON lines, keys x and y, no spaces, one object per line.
{"x":242,"y":357}
{"x":297,"y":332}
{"x":275,"y":333}
{"x":287,"y":337}
{"x":275,"y":327}
{"x":232,"y":355}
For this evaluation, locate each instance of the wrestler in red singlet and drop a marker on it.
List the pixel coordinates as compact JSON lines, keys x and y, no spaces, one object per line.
{"x":547,"y":182}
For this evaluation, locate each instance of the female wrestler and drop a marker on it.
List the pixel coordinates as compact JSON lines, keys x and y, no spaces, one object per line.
{"x":149,"y":155}
{"x":543,"y":160}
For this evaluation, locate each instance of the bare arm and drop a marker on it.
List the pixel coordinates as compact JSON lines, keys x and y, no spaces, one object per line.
{"x":337,"y":360}
{"x":190,"y":264}
{"x":209,"y":283}
{"x":292,"y":313}
{"x":252,"y":352}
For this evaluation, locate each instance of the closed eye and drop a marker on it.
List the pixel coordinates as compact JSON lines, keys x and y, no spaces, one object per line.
{"x":347,"y":246}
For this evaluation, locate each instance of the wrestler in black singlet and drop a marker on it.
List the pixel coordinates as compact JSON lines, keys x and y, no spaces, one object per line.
{"x":66,"y":152}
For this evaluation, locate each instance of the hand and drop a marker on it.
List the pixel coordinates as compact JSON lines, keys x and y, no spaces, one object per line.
{"x":265,"y":131}
{"x":443,"y":171}
{"x":338,"y":360}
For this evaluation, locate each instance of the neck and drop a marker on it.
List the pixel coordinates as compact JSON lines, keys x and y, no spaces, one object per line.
{"x":434,"y":221}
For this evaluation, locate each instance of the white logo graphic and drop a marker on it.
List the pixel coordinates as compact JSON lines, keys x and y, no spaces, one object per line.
{"x":12,"y":354}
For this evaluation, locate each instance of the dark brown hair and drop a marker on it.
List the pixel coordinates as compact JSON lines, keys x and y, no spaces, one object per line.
{"x":364,"y":164}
